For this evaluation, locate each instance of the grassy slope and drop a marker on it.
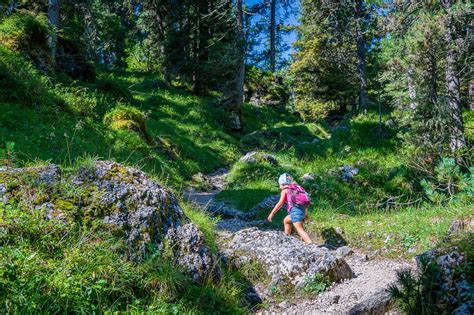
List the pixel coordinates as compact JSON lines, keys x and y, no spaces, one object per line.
{"x":57,"y":268}
{"x":407,"y":230}
{"x":187,"y":139}
{"x":64,"y":122}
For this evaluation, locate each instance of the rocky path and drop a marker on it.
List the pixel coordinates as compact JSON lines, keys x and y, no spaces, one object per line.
{"x":289,"y":261}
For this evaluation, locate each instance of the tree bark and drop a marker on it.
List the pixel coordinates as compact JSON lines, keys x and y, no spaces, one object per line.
{"x":411,"y":87}
{"x":11,"y":7}
{"x":457,"y":139}
{"x":236,"y":123}
{"x":471,"y":94}
{"x":53,"y":17}
{"x":361,"y":55}
{"x":273,"y":36}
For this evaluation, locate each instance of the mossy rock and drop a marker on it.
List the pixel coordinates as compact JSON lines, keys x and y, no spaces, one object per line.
{"x":127,"y":118}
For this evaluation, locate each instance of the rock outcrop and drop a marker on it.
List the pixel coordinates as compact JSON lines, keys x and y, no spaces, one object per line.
{"x":255,"y":157}
{"x":287,"y":260}
{"x":124,"y":199}
{"x":450,"y":283}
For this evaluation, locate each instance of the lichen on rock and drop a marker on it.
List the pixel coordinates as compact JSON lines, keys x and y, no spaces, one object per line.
{"x":287,"y":260}
{"x":123,"y":199}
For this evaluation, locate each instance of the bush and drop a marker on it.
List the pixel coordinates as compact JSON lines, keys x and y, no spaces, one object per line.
{"x":20,"y":82}
{"x":314,"y":110}
{"x":127,"y":118}
{"x":447,"y":179}
{"x":28,"y":33}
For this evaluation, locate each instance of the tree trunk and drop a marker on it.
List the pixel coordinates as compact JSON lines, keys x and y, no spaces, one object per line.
{"x":273,"y":36}
{"x":411,"y":87}
{"x":240,"y":76}
{"x":471,"y":94}
{"x":457,"y":140}
{"x":361,"y":55}
{"x":11,"y":7}
{"x":53,"y":17}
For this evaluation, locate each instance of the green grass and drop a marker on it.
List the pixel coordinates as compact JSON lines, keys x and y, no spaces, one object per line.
{"x":401,"y":233}
{"x":178,"y":136}
{"x":383,"y":192}
{"x":46,"y":266}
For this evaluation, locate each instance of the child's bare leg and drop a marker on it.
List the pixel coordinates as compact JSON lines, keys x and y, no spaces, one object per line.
{"x":287,"y":224}
{"x":302,"y":233}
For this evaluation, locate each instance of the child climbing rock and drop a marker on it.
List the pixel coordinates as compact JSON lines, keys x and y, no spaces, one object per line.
{"x":297,"y":202}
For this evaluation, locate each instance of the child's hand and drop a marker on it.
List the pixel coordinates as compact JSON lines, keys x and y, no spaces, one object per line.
{"x":270,"y":217}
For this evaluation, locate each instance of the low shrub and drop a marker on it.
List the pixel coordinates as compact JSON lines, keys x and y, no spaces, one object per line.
{"x":28,"y":33}
{"x":21,"y":83}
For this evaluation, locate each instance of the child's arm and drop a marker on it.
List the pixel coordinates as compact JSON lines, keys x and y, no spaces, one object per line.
{"x":278,"y":205}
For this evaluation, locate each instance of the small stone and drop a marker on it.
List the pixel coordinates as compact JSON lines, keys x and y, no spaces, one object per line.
{"x":369,"y":235}
{"x":370,"y":222}
{"x":343,"y":251}
{"x":335,"y":299}
{"x":284,"y":305}
{"x":308,"y":177}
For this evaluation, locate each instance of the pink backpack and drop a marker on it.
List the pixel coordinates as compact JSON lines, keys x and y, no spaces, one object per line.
{"x":297,"y":196}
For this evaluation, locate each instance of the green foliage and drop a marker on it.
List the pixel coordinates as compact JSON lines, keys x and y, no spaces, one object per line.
{"x":423,"y":293}
{"x":114,"y":87}
{"x":314,"y":110}
{"x":317,"y":284}
{"x":72,"y":266}
{"x":78,"y":100}
{"x":265,"y":85}
{"x":21,"y":83}
{"x":127,"y":118}
{"x":24,"y":31}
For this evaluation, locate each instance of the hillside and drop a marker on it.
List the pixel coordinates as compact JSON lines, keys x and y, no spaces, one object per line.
{"x":129,"y":187}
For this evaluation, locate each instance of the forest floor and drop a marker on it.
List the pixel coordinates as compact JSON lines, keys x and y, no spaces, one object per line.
{"x":366,"y":292}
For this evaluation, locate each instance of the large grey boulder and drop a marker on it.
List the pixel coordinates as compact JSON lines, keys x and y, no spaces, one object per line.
{"x":286,"y":259}
{"x":124,"y":199}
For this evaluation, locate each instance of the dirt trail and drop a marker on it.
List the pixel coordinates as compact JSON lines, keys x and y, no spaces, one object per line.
{"x":366,"y":293}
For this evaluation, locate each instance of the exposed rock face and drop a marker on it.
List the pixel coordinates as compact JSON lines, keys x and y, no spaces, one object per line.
{"x":459,"y":226}
{"x":140,"y":210}
{"x":451,"y":283}
{"x":255,"y":157}
{"x":190,"y":252}
{"x":266,"y":205}
{"x":286,"y":259}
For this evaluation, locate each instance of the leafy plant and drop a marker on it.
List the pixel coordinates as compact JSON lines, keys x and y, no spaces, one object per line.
{"x":416,"y":293}
{"x":316,"y":284}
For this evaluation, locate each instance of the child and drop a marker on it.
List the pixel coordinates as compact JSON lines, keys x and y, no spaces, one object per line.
{"x":296,"y":213}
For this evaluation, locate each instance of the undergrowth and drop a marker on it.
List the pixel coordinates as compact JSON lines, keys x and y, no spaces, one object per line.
{"x":52,"y":267}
